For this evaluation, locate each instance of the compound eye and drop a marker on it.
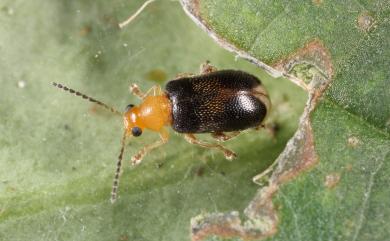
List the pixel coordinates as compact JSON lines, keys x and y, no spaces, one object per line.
{"x":128,"y":107}
{"x":136,"y":131}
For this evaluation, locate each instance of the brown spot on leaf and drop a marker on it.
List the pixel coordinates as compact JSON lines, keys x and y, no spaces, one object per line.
{"x":123,"y":238}
{"x":156,"y":75}
{"x":353,"y":141}
{"x":317,"y":2}
{"x":96,"y":109}
{"x":85,"y":31}
{"x":332,"y":179}
{"x":199,"y":171}
{"x":365,"y":22}
{"x":348,"y":167}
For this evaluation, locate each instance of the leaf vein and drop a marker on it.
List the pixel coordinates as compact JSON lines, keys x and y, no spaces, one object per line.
{"x":265,"y":29}
{"x":365,"y":203}
{"x":357,"y":117}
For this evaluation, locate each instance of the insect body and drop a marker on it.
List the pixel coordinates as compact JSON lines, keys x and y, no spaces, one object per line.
{"x":214,"y":102}
{"x":221,"y":101}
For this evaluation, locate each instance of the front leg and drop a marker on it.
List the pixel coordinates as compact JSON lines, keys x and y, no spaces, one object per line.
{"x":136,"y":159}
{"x":230,"y":155}
{"x":135,"y":90}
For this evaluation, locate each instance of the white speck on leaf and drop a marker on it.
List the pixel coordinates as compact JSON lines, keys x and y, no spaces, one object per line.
{"x":21,"y":84}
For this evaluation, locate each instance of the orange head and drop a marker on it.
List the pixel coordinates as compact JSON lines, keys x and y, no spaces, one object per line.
{"x":153,"y":114}
{"x":132,"y":123}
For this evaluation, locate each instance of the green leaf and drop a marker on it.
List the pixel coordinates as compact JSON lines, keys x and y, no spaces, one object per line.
{"x":58,"y":152}
{"x":331,"y":181}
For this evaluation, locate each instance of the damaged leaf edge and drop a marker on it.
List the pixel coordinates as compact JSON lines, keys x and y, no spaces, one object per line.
{"x":298,"y":156}
{"x":191,"y":9}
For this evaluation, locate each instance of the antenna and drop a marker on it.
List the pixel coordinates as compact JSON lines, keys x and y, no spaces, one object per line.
{"x":72,"y":91}
{"x":115,"y":183}
{"x":132,"y":17}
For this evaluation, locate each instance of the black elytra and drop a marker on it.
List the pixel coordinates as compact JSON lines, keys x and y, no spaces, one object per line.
{"x":220,"y":101}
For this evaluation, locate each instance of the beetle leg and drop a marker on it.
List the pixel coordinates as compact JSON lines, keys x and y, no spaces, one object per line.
{"x":154,"y":91}
{"x":183,"y":75}
{"x":135,"y":90}
{"x":136,"y":159}
{"x":206,"y":68}
{"x":271,"y":128}
{"x":226,"y":152}
{"x":220,"y":136}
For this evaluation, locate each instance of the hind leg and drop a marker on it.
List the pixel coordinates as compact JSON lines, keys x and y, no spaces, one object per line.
{"x":230,"y":155}
{"x":271,"y":128}
{"x":220,"y":136}
{"x":204,"y":68}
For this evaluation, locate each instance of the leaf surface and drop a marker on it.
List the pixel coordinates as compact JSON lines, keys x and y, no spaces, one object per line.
{"x":331,"y":181}
{"x":58,"y":152}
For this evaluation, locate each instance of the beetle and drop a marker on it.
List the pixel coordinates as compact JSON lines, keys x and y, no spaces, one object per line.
{"x":216,"y":102}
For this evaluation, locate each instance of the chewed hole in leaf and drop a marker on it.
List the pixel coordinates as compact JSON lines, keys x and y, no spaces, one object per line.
{"x":311,"y":64}
{"x":306,"y":72}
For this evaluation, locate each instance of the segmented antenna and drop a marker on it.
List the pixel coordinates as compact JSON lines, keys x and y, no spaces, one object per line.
{"x":63,"y":87}
{"x":115,"y":184}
